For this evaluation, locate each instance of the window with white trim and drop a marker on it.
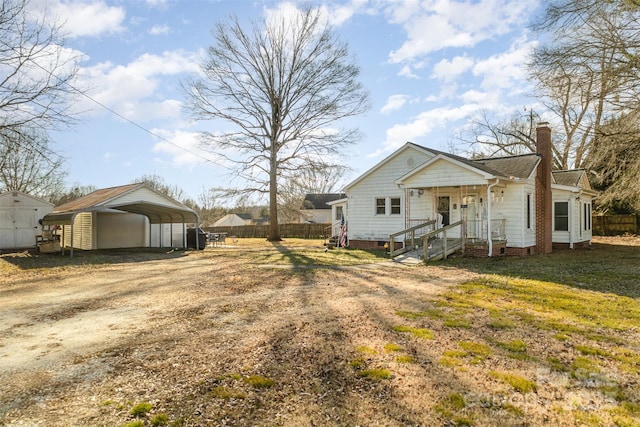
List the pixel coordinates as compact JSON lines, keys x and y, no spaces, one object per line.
{"x":529,"y":211}
{"x":339,"y":212}
{"x":395,"y":206}
{"x":587,"y":216}
{"x":561,"y":216}
{"x":381,"y":206}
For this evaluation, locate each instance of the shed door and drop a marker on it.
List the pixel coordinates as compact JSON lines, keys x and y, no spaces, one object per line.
{"x":18,"y":228}
{"x":7,"y":229}
{"x":26,"y":227}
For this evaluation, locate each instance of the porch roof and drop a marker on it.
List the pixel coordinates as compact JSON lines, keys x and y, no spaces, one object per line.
{"x":509,"y":168}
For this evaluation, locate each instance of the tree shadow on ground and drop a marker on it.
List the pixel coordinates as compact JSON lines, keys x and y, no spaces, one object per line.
{"x":31,"y":259}
{"x":604,"y":268}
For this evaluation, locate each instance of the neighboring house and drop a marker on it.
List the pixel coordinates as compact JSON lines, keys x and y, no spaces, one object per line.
{"x":316,"y":208}
{"x":128,"y":216}
{"x":510,"y":205}
{"x":20,"y":214}
{"x":234,"y":220}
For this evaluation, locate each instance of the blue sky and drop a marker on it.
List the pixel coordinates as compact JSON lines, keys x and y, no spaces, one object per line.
{"x":431,"y":67}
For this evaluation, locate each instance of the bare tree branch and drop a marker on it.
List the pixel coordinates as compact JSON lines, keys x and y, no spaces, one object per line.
{"x":281,"y":88}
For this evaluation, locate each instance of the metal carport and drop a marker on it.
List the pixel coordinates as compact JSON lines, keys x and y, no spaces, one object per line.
{"x":157,"y":213}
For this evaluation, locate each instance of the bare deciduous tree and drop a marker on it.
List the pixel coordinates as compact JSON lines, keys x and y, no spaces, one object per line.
{"x":308,"y":181}
{"x":614,"y":163}
{"x":28,"y":165}
{"x":35,"y":71}
{"x":585,"y":75}
{"x":77,"y":191}
{"x":157,"y":183}
{"x":282,"y":87}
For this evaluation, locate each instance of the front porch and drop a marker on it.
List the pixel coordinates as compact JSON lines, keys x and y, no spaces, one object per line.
{"x":433,"y":241}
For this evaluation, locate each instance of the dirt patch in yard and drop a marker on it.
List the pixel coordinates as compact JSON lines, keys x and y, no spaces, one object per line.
{"x":210,"y":338}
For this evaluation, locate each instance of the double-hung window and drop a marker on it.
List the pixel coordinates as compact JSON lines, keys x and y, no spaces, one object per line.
{"x":395,"y":206}
{"x":561,"y":216}
{"x":387,"y":206}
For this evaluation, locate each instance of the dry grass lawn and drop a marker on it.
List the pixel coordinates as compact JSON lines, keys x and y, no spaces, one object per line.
{"x":288,"y":335}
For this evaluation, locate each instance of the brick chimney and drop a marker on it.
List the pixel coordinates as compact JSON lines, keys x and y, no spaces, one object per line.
{"x":543,"y":189}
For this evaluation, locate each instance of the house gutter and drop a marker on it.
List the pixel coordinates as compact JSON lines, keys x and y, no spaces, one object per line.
{"x":489,"y":203}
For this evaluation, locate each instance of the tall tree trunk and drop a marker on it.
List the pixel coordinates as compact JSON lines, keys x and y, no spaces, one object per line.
{"x":274,"y":229}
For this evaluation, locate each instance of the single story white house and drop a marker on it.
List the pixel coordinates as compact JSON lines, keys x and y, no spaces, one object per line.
{"x":509,"y":205}
{"x":128,"y":216}
{"x":20,"y":216}
{"x":316,"y":207}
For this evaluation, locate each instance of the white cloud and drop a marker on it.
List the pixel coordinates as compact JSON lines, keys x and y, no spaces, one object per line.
{"x":422,"y":125}
{"x":394,"y":102}
{"x":134,"y":90}
{"x":157,"y":3}
{"x":159,"y":30}
{"x":449,"y":70}
{"x":407,"y":71}
{"x":335,"y":14}
{"x":184,"y":148}
{"x":433,"y":25}
{"x":88,"y":18}
{"x":506,"y":69}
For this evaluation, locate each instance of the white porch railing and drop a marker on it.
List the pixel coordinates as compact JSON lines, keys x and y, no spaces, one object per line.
{"x":477,"y":230}
{"x":410,"y":236}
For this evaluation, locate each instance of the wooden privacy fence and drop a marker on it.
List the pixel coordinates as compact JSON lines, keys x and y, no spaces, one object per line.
{"x":614,"y":225}
{"x":300,"y":231}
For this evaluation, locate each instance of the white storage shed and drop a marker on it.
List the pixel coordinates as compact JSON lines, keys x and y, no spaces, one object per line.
{"x":20,"y":214}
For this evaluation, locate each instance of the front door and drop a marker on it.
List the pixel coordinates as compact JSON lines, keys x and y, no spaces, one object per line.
{"x":470,"y":215}
{"x":444,"y":210}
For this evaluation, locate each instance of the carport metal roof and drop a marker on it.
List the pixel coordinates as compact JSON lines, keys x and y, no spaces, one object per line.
{"x":161,"y":210}
{"x":114,"y":198}
{"x":157,"y":214}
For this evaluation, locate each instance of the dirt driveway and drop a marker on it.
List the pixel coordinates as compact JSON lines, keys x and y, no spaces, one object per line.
{"x":209,"y":339}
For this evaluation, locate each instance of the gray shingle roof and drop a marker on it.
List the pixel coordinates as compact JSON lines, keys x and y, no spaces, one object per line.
{"x":568,"y":177}
{"x":508,"y":167}
{"x":319,"y":201}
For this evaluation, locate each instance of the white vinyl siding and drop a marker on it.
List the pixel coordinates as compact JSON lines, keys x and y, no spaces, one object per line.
{"x":19,"y":215}
{"x":364,"y":223}
{"x":442,"y":173}
{"x":82,"y":232}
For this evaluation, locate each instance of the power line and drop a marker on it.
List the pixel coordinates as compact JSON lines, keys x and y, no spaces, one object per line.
{"x":126,"y":119}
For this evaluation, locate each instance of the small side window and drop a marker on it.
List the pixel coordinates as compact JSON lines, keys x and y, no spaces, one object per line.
{"x":381,"y":206}
{"x":561,"y":216}
{"x":529,"y":211}
{"x":395,"y":206}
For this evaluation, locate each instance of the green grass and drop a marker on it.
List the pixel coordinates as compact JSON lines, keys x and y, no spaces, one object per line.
{"x":513,"y":346}
{"x":432,"y":313}
{"x":518,"y":383}
{"x":375,"y":374}
{"x":404,"y":359}
{"x":140,"y":409}
{"x":258,"y":381}
{"x":392,"y":347}
{"x":225,"y":393}
{"x":478,"y":350}
{"x":363,"y":349}
{"x":416,"y":332}
{"x":159,"y":420}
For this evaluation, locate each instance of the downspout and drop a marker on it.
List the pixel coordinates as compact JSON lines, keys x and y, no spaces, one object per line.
{"x":570,"y":220}
{"x":489,"y":203}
